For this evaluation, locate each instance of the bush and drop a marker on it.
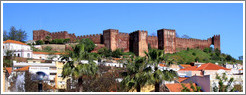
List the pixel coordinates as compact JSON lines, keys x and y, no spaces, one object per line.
{"x":39,"y":42}
{"x":47,"y":48}
{"x":117,"y":53}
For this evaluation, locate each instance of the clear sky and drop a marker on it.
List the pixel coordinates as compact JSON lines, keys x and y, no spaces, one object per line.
{"x":196,"y":20}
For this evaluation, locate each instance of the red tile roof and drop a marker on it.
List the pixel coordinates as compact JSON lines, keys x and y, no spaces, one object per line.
{"x":177,"y":87}
{"x":192,"y":68}
{"x":207,"y":66}
{"x":182,"y":79}
{"x":13,"y":41}
{"x":211,"y":66}
{"x":185,"y":65}
{"x":58,"y":53}
{"x":9,"y":69}
{"x":162,"y":65}
{"x":26,"y":68}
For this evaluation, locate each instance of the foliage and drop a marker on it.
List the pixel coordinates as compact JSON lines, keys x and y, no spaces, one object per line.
{"x":106,"y":82}
{"x":75,"y":68}
{"x":88,"y":43}
{"x":117,"y":53}
{"x":7,"y":60}
{"x":137,"y":74}
{"x":17,"y":35}
{"x":48,"y":48}
{"x":221,"y":87}
{"x":194,"y":89}
{"x":39,"y":42}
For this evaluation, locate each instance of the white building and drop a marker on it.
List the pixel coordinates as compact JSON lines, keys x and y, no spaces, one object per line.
{"x":19,"y":49}
{"x":48,"y":68}
{"x":46,"y":56}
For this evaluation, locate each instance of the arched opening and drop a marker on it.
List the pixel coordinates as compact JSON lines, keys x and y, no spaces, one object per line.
{"x":18,"y":55}
{"x":211,"y":47}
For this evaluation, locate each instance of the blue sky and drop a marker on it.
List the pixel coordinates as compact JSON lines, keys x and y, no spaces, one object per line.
{"x":196,"y":20}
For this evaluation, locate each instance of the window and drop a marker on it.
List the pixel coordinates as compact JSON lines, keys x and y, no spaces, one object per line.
{"x":28,"y":55}
{"x":52,"y":73}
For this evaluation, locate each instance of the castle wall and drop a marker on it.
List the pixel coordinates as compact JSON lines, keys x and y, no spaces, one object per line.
{"x":182,"y":43}
{"x":136,"y":42}
{"x":96,"y":38}
{"x":123,"y":41}
{"x":153,"y":41}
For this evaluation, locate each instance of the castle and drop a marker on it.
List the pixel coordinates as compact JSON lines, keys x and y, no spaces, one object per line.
{"x":137,"y":41}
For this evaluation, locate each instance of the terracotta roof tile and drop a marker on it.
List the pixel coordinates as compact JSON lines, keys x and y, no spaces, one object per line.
{"x":58,"y":53}
{"x":192,"y":68}
{"x":13,"y":41}
{"x":185,"y":65}
{"x":9,"y":69}
{"x":177,"y":87}
{"x":207,"y":66}
{"x":162,"y":65}
{"x":182,"y":79}
{"x":26,"y":68}
{"x":211,"y":66}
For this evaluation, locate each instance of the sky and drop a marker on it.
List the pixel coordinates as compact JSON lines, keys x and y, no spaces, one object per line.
{"x":197,"y":20}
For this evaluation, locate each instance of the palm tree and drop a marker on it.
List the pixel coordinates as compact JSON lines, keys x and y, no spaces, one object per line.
{"x":222,"y":87}
{"x":154,"y":57}
{"x":75,"y":68}
{"x":137,"y":74}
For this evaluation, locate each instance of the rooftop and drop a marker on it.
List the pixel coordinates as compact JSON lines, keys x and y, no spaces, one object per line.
{"x":177,"y":87}
{"x":13,"y":41}
{"x":26,"y":68}
{"x":207,"y":66}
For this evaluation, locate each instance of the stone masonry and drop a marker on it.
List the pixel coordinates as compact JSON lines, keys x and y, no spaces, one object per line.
{"x":137,"y":41}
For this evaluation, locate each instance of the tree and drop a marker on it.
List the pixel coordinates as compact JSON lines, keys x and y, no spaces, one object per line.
{"x":240,"y":58}
{"x":39,"y":42}
{"x":186,"y":37}
{"x":48,"y":38}
{"x":75,"y":68}
{"x":104,"y":52}
{"x":66,"y":40}
{"x":88,"y":43}
{"x":7,"y":59}
{"x":221,"y":87}
{"x":117,"y":53}
{"x":5,"y":35}
{"x":18,"y":35}
{"x":137,"y":74}
{"x":154,"y":57}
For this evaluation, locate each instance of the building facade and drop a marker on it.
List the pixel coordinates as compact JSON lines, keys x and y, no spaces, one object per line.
{"x":19,"y":49}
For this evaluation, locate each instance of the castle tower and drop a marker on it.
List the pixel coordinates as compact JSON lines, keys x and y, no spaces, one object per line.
{"x":216,"y":41}
{"x":138,"y":42}
{"x":110,"y":38}
{"x":167,"y":40}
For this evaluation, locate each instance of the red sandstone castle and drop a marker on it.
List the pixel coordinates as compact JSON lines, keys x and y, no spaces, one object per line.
{"x":136,"y":42}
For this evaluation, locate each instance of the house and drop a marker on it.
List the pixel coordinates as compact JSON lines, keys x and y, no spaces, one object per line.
{"x":48,"y":68}
{"x":204,"y":69}
{"x":61,"y":83}
{"x":46,"y":56}
{"x":182,"y":66}
{"x":19,"y":49}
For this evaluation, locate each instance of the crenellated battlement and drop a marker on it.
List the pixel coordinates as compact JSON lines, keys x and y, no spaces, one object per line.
{"x":136,"y":41}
